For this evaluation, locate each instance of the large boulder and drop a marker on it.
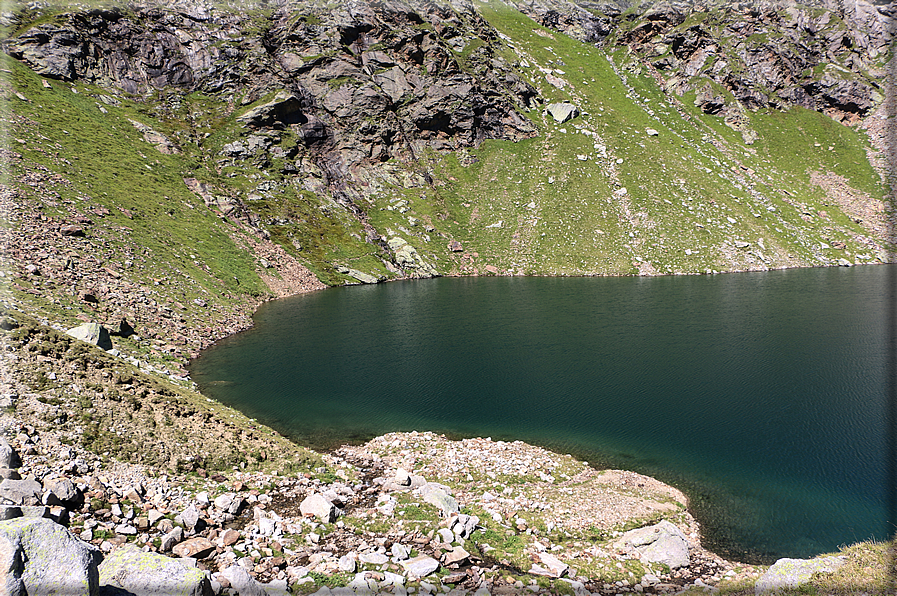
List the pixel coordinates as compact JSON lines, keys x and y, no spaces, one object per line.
{"x":661,"y":543}
{"x":196,"y":548}
{"x":9,"y":458}
{"x":62,"y":491}
{"x":38,"y":556}
{"x":92,"y":333}
{"x":420,"y":566}
{"x":140,"y":573}
{"x":550,"y":566}
{"x":792,"y":573}
{"x":318,"y":506}
{"x":21,"y":492}
{"x":562,"y":112}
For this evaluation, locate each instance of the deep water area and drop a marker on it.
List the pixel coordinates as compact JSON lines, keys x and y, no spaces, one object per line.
{"x":761,"y":395}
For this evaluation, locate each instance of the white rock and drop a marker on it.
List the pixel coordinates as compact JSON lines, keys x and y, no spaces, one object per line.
{"x":420,"y":566}
{"x":319,"y":507}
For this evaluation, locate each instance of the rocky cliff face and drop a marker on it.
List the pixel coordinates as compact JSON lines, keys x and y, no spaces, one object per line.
{"x":358,"y":84}
{"x":827,"y":56}
{"x":373,"y":81}
{"x":349,"y":133}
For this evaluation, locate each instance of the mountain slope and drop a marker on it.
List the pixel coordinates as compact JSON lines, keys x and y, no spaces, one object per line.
{"x":213,"y":157}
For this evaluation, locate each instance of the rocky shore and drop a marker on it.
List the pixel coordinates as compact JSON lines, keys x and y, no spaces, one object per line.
{"x":132,"y":471}
{"x":500,"y":516}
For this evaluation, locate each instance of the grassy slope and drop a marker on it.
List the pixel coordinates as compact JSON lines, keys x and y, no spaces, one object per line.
{"x":170,"y":234}
{"x":560,"y":215}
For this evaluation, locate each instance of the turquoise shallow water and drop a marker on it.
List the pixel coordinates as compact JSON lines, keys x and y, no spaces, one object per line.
{"x":762,"y":395}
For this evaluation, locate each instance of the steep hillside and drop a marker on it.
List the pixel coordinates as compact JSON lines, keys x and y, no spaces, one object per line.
{"x":388,"y":140}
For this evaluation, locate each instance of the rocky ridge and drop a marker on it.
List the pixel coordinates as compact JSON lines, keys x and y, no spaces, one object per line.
{"x":827,"y":56}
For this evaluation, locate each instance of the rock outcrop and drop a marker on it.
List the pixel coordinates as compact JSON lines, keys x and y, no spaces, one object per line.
{"x":790,"y":574}
{"x":749,"y":55}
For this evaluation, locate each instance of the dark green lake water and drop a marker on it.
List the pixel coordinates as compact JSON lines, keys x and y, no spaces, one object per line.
{"x":761,"y":395}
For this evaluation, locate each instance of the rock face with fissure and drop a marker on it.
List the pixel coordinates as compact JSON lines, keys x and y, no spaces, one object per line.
{"x":369,"y":104}
{"x":358,"y":83}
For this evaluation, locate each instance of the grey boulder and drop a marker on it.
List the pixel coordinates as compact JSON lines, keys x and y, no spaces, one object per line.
{"x":229,"y":502}
{"x":61,"y":491}
{"x":791,"y":573}
{"x":21,"y":492}
{"x":38,"y":556}
{"x":241,"y":582}
{"x":9,"y":458}
{"x":150,"y":574}
{"x":661,"y":543}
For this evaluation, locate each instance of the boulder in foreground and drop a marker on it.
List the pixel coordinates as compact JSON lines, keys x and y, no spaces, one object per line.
{"x":151,"y":574}
{"x":38,"y":556}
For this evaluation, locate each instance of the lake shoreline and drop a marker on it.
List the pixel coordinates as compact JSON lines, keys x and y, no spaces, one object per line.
{"x":38,"y":404}
{"x":417,"y":293}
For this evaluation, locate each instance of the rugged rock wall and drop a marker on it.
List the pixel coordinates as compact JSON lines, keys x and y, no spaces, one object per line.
{"x":359,"y":83}
{"x":371,"y":80}
{"x":827,"y":56}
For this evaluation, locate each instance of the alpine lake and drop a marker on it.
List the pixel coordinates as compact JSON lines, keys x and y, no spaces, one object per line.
{"x":763,"y":396}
